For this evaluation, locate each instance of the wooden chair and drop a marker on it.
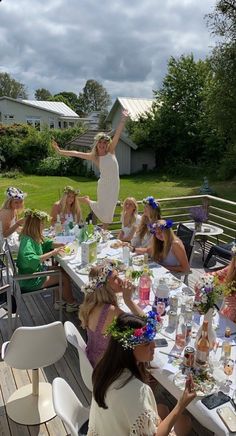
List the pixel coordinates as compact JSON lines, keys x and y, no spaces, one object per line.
{"x":14,"y":278}
{"x":5,"y":292}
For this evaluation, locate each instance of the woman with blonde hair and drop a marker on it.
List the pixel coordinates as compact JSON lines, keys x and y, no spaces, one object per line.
{"x":167,"y":249}
{"x":34,"y":250}
{"x":103,"y":156}
{"x":142,"y":238}
{"x":9,"y":216}
{"x":129,"y":219}
{"x":100,"y":306}
{"x":67,"y":206}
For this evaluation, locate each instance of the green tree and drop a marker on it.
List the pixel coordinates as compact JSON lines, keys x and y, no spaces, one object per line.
{"x":9,"y":87}
{"x":71,"y":98}
{"x":42,"y":94}
{"x":94,"y":97}
{"x":222,"y":21}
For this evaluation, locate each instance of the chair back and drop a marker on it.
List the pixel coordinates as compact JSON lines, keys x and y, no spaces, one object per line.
{"x":10,"y":261}
{"x":187,"y":237}
{"x":68,"y":407}
{"x":35,"y":347}
{"x":73,"y":335}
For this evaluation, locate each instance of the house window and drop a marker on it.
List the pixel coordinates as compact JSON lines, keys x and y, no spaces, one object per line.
{"x":51,"y":123}
{"x":9,"y":117}
{"x":34,"y":122}
{"x":71,"y":124}
{"x":59,"y":124}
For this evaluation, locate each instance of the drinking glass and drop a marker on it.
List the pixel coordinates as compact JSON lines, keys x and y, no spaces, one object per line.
{"x":228,"y":370}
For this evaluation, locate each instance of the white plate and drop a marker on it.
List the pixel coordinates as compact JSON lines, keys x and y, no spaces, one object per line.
{"x":172,"y":282}
{"x":84,"y":271}
{"x":203,"y":388}
{"x":68,"y":257}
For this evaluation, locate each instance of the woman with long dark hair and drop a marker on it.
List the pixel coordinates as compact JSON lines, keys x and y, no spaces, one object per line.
{"x":123,"y":403}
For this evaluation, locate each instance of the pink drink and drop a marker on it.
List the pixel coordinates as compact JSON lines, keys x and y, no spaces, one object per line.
{"x":144,"y":290}
{"x":180,"y":341}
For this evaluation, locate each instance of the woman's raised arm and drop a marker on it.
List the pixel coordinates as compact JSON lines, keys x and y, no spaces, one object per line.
{"x":71,"y":153}
{"x":118,"y":131}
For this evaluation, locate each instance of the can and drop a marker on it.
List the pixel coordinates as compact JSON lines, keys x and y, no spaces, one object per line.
{"x":189,"y":356}
{"x":188,"y":315}
{"x":173,"y":303}
{"x":172,"y":319}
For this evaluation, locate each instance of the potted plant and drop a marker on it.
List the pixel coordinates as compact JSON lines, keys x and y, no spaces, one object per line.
{"x":199,"y":215}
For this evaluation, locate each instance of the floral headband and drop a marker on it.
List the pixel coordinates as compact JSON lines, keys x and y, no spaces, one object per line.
{"x":97,"y":282}
{"x":151,"y":202}
{"x":34,"y":213}
{"x":131,"y":337}
{"x":102,"y":135}
{"x":154,"y":226}
{"x":15,"y":193}
{"x":69,"y":189}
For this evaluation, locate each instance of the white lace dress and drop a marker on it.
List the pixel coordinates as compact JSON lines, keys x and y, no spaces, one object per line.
{"x":107,"y":189}
{"x":131,"y":410}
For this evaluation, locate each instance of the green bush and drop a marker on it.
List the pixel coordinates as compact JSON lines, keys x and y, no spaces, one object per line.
{"x":61,"y":166}
{"x":14,"y":174}
{"x":227,"y":169}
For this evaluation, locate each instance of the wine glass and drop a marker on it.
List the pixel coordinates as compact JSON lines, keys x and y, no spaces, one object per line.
{"x":228,"y":370}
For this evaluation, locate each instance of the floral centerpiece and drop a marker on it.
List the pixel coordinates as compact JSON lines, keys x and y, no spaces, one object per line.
{"x":207,"y":295}
{"x":199,"y":215}
{"x":134,"y":274}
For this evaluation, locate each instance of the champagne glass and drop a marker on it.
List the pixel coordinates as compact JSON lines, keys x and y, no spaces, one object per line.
{"x":228,"y":370}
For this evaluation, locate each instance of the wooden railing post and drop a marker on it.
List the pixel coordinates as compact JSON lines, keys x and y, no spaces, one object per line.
{"x":206,"y":204}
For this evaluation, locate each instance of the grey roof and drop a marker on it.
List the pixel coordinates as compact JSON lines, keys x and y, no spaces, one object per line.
{"x":87,"y":139}
{"x":135,"y":106}
{"x":55,"y":106}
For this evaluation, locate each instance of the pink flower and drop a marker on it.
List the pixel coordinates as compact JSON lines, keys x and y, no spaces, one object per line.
{"x":138,"y":332}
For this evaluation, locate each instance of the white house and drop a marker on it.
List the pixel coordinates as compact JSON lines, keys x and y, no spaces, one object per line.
{"x":131,"y":159}
{"x":55,"y":115}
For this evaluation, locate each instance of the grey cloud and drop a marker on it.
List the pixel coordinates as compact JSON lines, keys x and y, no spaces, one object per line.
{"x":124,"y":45}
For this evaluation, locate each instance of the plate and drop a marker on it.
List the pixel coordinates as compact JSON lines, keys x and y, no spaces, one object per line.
{"x":204,"y":383}
{"x":84,"y":271}
{"x":172,"y":282}
{"x":68,"y":256}
{"x":116,"y":245}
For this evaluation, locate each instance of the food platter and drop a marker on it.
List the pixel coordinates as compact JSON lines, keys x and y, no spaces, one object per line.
{"x":138,"y":260}
{"x":172,"y":282}
{"x":203,"y":381}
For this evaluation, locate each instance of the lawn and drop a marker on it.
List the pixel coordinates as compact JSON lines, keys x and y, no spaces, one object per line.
{"x":44,"y":191}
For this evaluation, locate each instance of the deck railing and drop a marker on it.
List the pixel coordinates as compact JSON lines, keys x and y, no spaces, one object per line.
{"x":221,"y":213}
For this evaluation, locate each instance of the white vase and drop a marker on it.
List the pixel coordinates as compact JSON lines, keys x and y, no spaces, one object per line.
{"x":211,"y":332}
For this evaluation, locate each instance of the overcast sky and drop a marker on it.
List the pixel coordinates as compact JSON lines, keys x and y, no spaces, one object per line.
{"x":123,"y":44}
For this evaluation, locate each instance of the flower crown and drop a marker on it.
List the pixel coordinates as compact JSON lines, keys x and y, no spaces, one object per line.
{"x":131,"y":337}
{"x":15,"y":193}
{"x":102,"y":135}
{"x":151,"y":202}
{"x":153,"y":226}
{"x":69,"y":189}
{"x":98,"y":281}
{"x":35,"y":213}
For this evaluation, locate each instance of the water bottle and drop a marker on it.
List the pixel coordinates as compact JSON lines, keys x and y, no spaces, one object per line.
{"x":126,"y":255}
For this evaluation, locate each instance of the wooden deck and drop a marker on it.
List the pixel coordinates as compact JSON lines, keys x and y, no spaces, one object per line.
{"x":38,"y":310}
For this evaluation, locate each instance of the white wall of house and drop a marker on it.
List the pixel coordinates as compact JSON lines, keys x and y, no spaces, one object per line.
{"x":16,"y":112}
{"x":142,"y":160}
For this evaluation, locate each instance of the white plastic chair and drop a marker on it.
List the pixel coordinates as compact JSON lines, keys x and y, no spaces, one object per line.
{"x":74,"y":337}
{"x":15,"y":278}
{"x":69,"y":408}
{"x":33,"y":348}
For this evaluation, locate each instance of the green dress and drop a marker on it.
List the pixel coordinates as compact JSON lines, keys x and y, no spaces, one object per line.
{"x":28,"y":261}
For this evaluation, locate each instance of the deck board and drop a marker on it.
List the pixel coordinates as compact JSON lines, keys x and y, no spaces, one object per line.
{"x":38,"y":310}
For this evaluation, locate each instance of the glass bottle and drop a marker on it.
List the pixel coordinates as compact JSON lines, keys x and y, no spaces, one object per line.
{"x":226,"y":345}
{"x":58,"y":226}
{"x":203,"y":346}
{"x":180,"y":337}
{"x":144,"y":289}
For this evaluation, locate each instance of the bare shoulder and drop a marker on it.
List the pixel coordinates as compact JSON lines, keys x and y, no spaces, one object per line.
{"x":177,"y":243}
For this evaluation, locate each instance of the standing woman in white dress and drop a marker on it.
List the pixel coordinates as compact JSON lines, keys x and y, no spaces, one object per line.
{"x":103,"y":156}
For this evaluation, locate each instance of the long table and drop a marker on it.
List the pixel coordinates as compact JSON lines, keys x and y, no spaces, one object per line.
{"x":160,"y":368}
